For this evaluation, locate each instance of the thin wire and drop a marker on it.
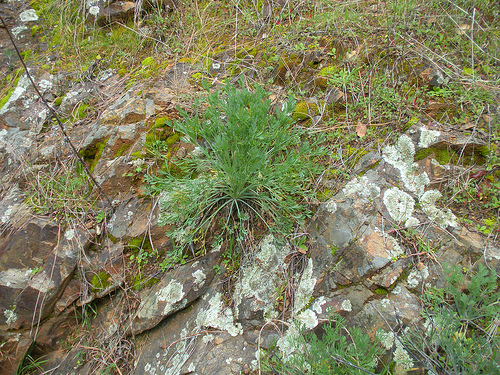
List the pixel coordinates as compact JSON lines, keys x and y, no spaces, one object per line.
{"x":53,"y":113}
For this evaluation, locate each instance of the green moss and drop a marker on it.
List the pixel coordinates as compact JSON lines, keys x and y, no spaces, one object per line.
{"x":150,"y":138}
{"x":81,"y":111}
{"x":58,"y":100}
{"x":17,"y":75}
{"x":174,"y":138}
{"x":124,"y":147}
{"x":443,"y":156}
{"x":334,"y":250}
{"x":135,"y":245}
{"x":303,"y":111}
{"x":148,"y":61}
{"x":324,"y":195}
{"x":326,"y":71}
{"x":92,"y":154}
{"x":161,"y":122}
{"x":100,"y":281}
{"x":138,"y":154}
{"x":140,"y":282}
{"x":380,"y":291}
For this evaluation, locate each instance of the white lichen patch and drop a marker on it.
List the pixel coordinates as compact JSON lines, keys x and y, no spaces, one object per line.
{"x":401,"y":356}
{"x":443,"y":218}
{"x":427,"y":137}
{"x":171,"y":294}
{"x":415,"y":183}
{"x":267,"y":249}
{"x":69,"y":234}
{"x":259,"y":280}
{"x":28,"y":15}
{"x":15,"y":278}
{"x":45,"y":85}
{"x":305,"y":289}
{"x":416,"y":276}
{"x":316,"y":307}
{"x":42,"y":282}
{"x":396,"y":248}
{"x":175,"y":361}
{"x":346,"y":305}
{"x":386,"y":339}
{"x":401,"y":157}
{"x":207,"y":338}
{"x":412,"y":222}
{"x":199,"y":279}
{"x":399,"y":204}
{"x":219,"y":316}
{"x":307,"y":319}
{"x":6,"y":215}
{"x":10,"y":315}
{"x":331,"y":206}
{"x":94,"y":10}
{"x":290,"y":343}
{"x":19,"y":91}
{"x":362,"y":187}
{"x":385,"y":303}
{"x":18,"y":30}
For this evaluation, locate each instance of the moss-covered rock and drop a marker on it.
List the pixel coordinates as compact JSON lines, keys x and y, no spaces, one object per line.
{"x":304,"y":111}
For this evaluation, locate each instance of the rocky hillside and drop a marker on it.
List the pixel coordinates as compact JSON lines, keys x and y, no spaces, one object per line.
{"x":275,"y":187}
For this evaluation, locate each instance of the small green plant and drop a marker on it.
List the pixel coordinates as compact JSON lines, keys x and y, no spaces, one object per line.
{"x":461,"y":330}
{"x":100,"y":216}
{"x":176,"y":256}
{"x":32,"y":365}
{"x":61,"y":193}
{"x":338,"y":351}
{"x":250,"y":165}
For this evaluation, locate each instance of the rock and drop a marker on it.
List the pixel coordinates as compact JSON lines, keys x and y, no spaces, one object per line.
{"x":127,"y":110}
{"x":23,"y":254}
{"x":27,"y":301}
{"x":119,"y":11}
{"x":434,"y":77}
{"x":201,"y":339}
{"x":398,"y":307}
{"x":14,"y":348}
{"x":175,"y":291}
{"x":75,"y":96}
{"x":255,"y":292}
{"x":104,"y":270}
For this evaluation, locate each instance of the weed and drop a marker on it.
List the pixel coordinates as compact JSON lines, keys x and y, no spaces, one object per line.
{"x":251,"y":166}
{"x":31,"y":365}
{"x":338,"y":351}
{"x":461,"y":329}
{"x":65,"y":193}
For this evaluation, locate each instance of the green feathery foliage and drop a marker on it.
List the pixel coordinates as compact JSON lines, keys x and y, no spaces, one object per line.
{"x":249,"y":165}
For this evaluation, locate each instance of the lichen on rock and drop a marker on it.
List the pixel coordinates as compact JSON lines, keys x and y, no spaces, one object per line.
{"x":401,"y":157}
{"x":399,"y":204}
{"x":219,"y":316}
{"x":171,"y":294}
{"x":305,"y":288}
{"x":362,"y":187}
{"x":427,"y":137}
{"x":443,"y":218}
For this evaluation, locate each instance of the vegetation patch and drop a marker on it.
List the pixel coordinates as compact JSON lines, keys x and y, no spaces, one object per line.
{"x":252,"y":168}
